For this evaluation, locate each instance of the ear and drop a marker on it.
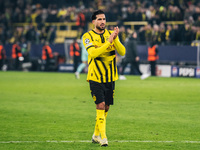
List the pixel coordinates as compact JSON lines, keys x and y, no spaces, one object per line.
{"x":93,"y":21}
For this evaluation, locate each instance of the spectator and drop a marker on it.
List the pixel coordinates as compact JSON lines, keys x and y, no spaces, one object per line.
{"x":75,"y":53}
{"x":196,"y":12}
{"x":141,"y":15}
{"x":153,"y":57}
{"x":162,"y":13}
{"x":141,"y":35}
{"x":43,"y":35}
{"x":18,"y":16}
{"x":148,"y":33}
{"x":2,"y":56}
{"x":47,"y":56}
{"x":62,"y":13}
{"x":197,"y":35}
{"x":87,"y":17}
{"x":156,"y":36}
{"x":130,"y":14}
{"x":178,"y":16}
{"x":153,"y":16}
{"x":38,"y":18}
{"x":17,"y":56}
{"x":187,"y":13}
{"x":31,"y":34}
{"x":25,"y":49}
{"x":186,"y":34}
{"x":151,"y":12}
{"x":162,"y":32}
{"x":52,"y":14}
{"x":197,"y":22}
{"x":80,"y":20}
{"x":44,"y":15}
{"x":71,"y":14}
{"x":168,"y":34}
{"x":79,"y":33}
{"x":8,"y":14}
{"x":28,"y":18}
{"x":169,"y":13}
{"x":51,"y":35}
{"x":122,"y":34}
{"x":176,"y":34}
{"x":3,"y":34}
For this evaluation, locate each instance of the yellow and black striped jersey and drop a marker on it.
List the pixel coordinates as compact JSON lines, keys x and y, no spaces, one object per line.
{"x":101,"y":56}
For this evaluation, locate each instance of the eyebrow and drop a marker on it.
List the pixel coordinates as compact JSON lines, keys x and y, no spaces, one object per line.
{"x":101,"y":19}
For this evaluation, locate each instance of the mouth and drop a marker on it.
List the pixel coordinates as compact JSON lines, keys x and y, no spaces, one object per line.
{"x":101,"y":26}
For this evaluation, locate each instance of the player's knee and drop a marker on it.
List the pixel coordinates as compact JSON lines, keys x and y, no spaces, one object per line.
{"x":100,"y":106}
{"x":107,"y":108}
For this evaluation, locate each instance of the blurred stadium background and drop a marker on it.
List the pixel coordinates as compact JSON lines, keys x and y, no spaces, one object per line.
{"x":174,"y":25}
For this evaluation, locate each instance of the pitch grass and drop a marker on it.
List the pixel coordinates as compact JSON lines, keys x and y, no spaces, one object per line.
{"x":42,"y":107}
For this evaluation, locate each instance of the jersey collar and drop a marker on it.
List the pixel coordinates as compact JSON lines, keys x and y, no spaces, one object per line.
{"x":98,"y":33}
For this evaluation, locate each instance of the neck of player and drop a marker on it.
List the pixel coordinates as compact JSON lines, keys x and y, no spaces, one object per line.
{"x":98,"y":31}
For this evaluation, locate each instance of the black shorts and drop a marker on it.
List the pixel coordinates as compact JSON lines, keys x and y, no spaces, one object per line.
{"x":102,"y":92}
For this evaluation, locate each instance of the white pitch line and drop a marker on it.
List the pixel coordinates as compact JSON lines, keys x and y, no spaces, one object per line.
{"x":87,"y":141}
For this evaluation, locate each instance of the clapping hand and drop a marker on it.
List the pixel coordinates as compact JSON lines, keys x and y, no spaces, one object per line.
{"x":114,"y":34}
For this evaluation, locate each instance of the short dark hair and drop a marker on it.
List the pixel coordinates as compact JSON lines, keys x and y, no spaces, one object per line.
{"x":95,"y":13}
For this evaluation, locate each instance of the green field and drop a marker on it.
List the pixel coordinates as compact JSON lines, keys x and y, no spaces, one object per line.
{"x":54,"y":111}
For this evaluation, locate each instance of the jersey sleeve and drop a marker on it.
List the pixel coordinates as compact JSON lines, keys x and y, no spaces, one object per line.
{"x":87,"y":41}
{"x":90,"y":46}
{"x":119,"y":47}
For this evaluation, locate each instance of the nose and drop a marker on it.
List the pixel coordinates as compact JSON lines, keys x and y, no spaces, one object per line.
{"x":103,"y":22}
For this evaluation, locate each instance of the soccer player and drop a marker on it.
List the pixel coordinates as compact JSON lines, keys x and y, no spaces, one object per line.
{"x":101,"y":44}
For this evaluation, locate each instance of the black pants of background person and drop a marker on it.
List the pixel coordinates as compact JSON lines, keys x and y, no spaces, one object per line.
{"x":76,"y":62}
{"x":153,"y":67}
{"x":17,"y":64}
{"x":134,"y":67}
{"x":135,"y":70}
{"x":47,"y":65}
{"x":1,"y":63}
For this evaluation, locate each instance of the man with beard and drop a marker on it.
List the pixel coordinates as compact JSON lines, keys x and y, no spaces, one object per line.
{"x":101,"y":44}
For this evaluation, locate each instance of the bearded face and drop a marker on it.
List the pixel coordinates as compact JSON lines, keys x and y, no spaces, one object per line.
{"x":101,"y":27}
{"x":100,"y":22}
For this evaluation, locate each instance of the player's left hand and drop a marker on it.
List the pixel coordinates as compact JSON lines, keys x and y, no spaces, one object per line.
{"x":116,"y":31}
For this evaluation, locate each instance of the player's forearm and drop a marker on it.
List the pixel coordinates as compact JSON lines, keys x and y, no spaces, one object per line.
{"x":95,"y":52}
{"x":119,"y":47}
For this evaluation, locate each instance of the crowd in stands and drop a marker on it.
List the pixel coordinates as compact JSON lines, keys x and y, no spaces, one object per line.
{"x":155,"y":12}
